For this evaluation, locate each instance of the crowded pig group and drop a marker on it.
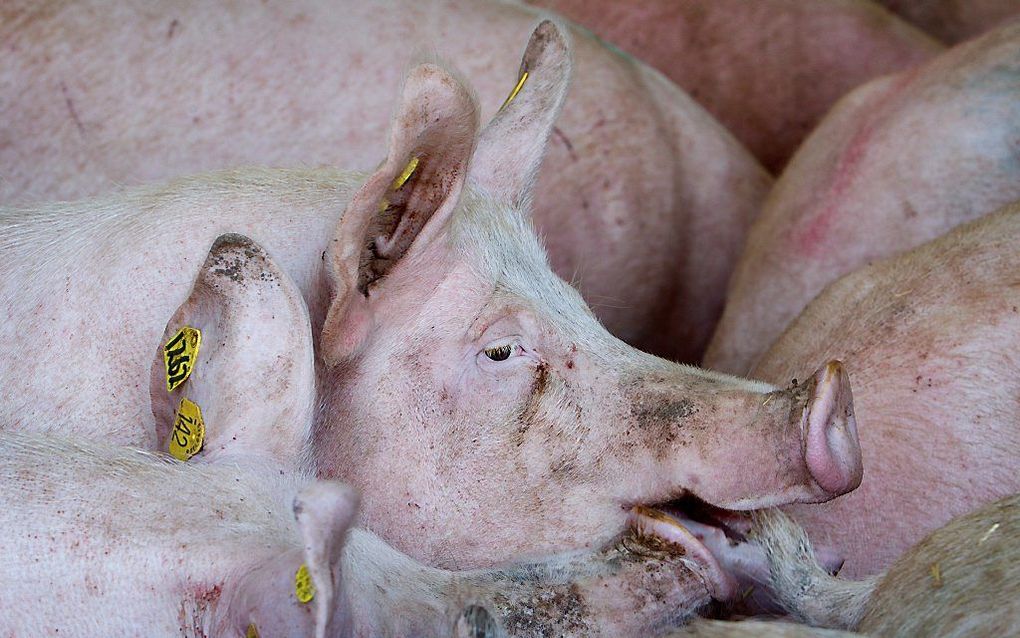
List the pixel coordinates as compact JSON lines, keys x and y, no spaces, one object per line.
{"x":305,"y":360}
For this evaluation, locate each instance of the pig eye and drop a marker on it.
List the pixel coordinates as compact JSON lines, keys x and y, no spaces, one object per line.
{"x":499,"y":353}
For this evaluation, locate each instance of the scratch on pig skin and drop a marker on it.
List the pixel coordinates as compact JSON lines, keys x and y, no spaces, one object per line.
{"x":70,"y":109}
{"x":560,"y":135}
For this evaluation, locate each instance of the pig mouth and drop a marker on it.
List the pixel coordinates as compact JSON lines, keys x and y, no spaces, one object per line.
{"x":700,"y":531}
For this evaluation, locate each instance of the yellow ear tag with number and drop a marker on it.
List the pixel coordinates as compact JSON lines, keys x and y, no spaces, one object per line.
{"x":179,"y":355}
{"x":253,"y":631}
{"x":303,"y":587}
{"x":517,"y":89}
{"x":188,"y":434}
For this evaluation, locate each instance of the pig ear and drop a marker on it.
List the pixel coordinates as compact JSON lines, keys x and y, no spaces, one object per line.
{"x":296,"y":592}
{"x":408,"y":200}
{"x":511,"y":146}
{"x":252,"y":378}
{"x":324,"y":512}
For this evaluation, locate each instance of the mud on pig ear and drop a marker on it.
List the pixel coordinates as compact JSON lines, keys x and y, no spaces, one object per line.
{"x":239,"y":351}
{"x":404,"y":206}
{"x":512,"y":145}
{"x":296,"y":592}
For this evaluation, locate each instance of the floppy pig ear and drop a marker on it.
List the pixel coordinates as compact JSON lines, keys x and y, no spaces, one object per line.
{"x":407,"y":200}
{"x":511,"y":146}
{"x":234,"y":372}
{"x":296,"y":592}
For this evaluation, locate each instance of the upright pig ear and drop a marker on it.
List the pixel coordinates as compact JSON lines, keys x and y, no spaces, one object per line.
{"x":511,"y":146}
{"x":296,"y":592}
{"x":408,"y":200}
{"x":324,"y":512}
{"x":234,"y":372}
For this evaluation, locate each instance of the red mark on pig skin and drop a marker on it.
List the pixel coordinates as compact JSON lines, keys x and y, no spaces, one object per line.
{"x":811,"y":239}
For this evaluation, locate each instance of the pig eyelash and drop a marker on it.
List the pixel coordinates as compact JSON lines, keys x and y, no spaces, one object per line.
{"x":499,"y":353}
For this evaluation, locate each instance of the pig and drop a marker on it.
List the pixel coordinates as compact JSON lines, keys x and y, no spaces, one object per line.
{"x":106,"y":540}
{"x":644,"y":200}
{"x":898,"y":162}
{"x":952,"y":21}
{"x":930,"y":337}
{"x":960,"y":580}
{"x":459,"y":381}
{"x":768,"y":70}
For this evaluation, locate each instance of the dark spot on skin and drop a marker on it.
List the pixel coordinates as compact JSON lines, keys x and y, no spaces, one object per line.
{"x":70,"y":109}
{"x":476,"y":622}
{"x":561,"y":136}
{"x":570,"y":364}
{"x":172,"y":29}
{"x":549,"y":611}
{"x":528,"y":415}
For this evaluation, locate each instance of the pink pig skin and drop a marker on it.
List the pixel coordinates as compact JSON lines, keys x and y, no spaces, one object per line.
{"x":643,"y":201}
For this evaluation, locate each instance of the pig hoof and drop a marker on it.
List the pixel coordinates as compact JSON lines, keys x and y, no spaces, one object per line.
{"x":833,"y":451}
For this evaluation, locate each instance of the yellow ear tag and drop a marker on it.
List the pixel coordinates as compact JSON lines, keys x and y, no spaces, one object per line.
{"x":179,"y":355}
{"x":303,"y":586}
{"x":405,"y":175}
{"x":253,"y":631}
{"x":517,"y":89}
{"x":188,"y":434}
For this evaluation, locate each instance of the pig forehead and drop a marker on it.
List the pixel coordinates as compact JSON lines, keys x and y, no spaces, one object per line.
{"x":497,"y":242}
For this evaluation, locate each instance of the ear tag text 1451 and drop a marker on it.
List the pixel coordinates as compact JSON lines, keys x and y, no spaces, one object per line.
{"x":303,"y":586}
{"x":179,"y":355}
{"x":188,"y":435}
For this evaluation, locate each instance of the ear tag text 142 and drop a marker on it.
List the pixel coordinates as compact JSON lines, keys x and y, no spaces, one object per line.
{"x":517,"y":89}
{"x":179,"y":355}
{"x":188,"y":435}
{"x":303,"y":586}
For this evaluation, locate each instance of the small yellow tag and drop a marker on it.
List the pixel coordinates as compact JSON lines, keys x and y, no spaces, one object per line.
{"x":303,"y":586}
{"x":517,"y":89}
{"x":405,"y":175}
{"x":179,"y":355}
{"x":253,"y":631}
{"x":188,"y":434}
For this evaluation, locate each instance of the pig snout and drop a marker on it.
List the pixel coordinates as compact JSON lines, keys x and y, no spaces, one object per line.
{"x":832,"y":451}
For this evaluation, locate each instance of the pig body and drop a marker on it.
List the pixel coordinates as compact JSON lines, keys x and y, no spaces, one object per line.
{"x":643,"y":200}
{"x":768,"y":70}
{"x":450,"y":360}
{"x":932,"y":339}
{"x":101,"y":540}
{"x":952,"y":21}
{"x":960,"y":580}
{"x":898,"y":162}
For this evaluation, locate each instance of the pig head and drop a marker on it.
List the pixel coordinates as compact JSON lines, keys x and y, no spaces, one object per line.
{"x":474,"y":396}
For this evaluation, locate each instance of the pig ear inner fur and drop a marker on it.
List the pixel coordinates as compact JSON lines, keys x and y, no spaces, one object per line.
{"x":407,"y":201}
{"x":253,"y":378}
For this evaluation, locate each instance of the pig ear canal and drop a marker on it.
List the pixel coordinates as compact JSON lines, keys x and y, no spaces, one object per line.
{"x":234,"y":371}
{"x":512,"y":145}
{"x":404,"y":207}
{"x":324,"y":512}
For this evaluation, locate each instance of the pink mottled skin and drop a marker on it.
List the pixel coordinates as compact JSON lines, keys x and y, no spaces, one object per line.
{"x":954,"y":20}
{"x":461,"y":384}
{"x":768,"y":69}
{"x":643,"y":200}
{"x":932,"y":338}
{"x":898,"y":162}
